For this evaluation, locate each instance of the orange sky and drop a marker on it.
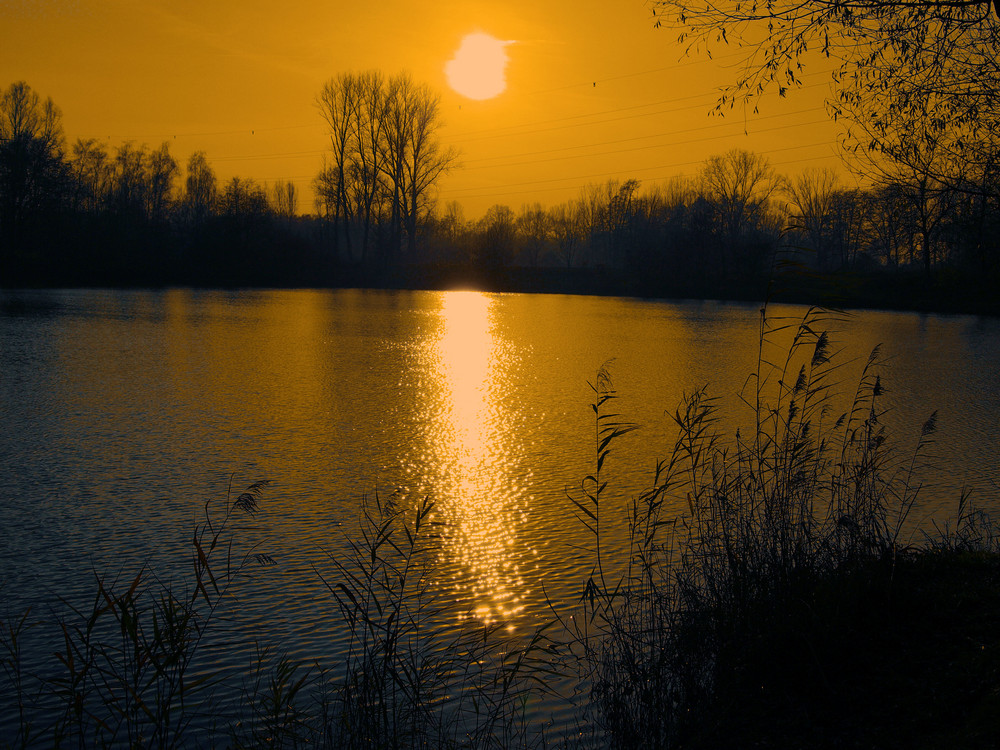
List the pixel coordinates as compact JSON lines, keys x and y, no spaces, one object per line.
{"x":238,"y":79}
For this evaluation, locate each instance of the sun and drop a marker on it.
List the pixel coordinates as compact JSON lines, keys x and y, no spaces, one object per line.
{"x":477,"y":69}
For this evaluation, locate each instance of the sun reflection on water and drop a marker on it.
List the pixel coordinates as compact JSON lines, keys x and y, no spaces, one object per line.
{"x":481,"y":496}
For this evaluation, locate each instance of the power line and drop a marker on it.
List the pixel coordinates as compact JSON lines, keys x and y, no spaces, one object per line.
{"x":174,"y":135}
{"x":476,"y":135}
{"x":644,"y":148}
{"x":496,"y":132}
{"x":619,"y":172}
{"x":640,"y":138}
{"x":258,"y":157}
{"x":691,"y":141}
{"x":612,"y":111}
{"x":561,"y":123}
{"x":679,"y":64}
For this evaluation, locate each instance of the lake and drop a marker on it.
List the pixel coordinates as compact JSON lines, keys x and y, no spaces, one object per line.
{"x":123,"y":411}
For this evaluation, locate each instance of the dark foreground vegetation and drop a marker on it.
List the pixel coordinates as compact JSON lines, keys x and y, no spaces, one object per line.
{"x":770,"y":597}
{"x":88,"y":215}
{"x":886,"y":656}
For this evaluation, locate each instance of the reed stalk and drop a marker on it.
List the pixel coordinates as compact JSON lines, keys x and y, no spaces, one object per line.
{"x":732,"y":527}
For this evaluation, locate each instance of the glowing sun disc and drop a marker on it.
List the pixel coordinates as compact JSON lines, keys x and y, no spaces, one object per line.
{"x":477,"y":69}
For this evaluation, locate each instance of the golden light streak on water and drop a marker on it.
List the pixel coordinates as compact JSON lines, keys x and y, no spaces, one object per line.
{"x":484,"y":501}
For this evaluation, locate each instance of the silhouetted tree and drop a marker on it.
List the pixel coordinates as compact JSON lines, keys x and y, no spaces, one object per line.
{"x":894,"y":61}
{"x":244,"y":214}
{"x":90,"y":167}
{"x":367,"y":167}
{"x":741,"y":184}
{"x":33,"y":176}
{"x":889,"y":225}
{"x":201,"y":187}
{"x":943,"y":51}
{"x":847,"y":225}
{"x":284,"y":199}
{"x":425,"y":160}
{"x":338,"y":103}
{"x":973,"y":228}
{"x":568,"y":230}
{"x":142,"y":181}
{"x":534,"y":227}
{"x":161,"y":170}
{"x":496,"y":236}
{"x":927,"y":172}
{"x":453,"y":220}
{"x":645,"y":250}
{"x":398,"y":123}
{"x":811,"y":197}
{"x":385,"y":157}
{"x":619,"y":215}
{"x":594,"y":201}
{"x":244,"y":200}
{"x":448,"y":236}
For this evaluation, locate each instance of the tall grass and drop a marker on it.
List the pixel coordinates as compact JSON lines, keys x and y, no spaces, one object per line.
{"x":125,"y":675}
{"x":734,"y":527}
{"x":408,"y":682}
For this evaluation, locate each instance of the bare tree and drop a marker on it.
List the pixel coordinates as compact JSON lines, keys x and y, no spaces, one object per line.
{"x":568,"y":229}
{"x":453,"y":220}
{"x":679,"y":192}
{"x":931,"y":203}
{"x":534,"y":226}
{"x":201,"y":187}
{"x":243,"y":206}
{"x":243,"y":197}
{"x":31,"y":166}
{"x":894,"y":61}
{"x":398,"y":124}
{"x":160,"y":170}
{"x":90,"y":166}
{"x":450,"y":241}
{"x":929,"y":171}
{"x":385,"y":157}
{"x":128,"y":180}
{"x":284,"y":199}
{"x":847,"y":224}
{"x":741,"y":184}
{"x":426,"y":160}
{"x":948,"y":45}
{"x":368,"y":166}
{"x":338,"y":103}
{"x":811,"y":197}
{"x":889,"y":221}
{"x":496,"y":232}
{"x":142,"y":181}
{"x":974,"y":225}
{"x":594,"y":201}
{"x":621,"y":210}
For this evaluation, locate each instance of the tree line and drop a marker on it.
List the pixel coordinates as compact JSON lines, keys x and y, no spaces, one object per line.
{"x":727,"y":230}
{"x":88,"y":214}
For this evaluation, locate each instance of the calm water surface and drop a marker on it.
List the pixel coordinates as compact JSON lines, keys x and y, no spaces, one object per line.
{"x":122,"y":412}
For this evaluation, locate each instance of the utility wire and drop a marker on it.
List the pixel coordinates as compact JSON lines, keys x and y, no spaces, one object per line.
{"x":642,"y":137}
{"x":619,"y":171}
{"x":653,"y":179}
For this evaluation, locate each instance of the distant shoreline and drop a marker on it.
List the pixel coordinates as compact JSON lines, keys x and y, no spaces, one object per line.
{"x":940,"y":293}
